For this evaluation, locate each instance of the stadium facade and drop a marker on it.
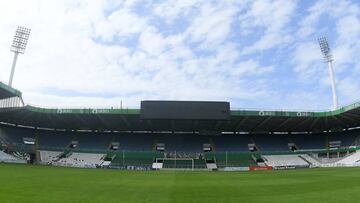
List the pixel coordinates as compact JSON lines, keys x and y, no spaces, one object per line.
{"x":177,"y":134}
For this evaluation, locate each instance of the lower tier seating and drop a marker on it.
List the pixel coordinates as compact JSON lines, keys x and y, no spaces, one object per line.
{"x":285,"y":161}
{"x":6,"y":157}
{"x":82,"y":160}
{"x":49,"y":156}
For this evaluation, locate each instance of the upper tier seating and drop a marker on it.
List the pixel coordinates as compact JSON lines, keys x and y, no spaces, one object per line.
{"x":309,"y":141}
{"x":182,"y":142}
{"x":93,"y":141}
{"x":134,"y":142}
{"x":54,"y":139}
{"x":99,"y":142}
{"x":272,"y":142}
{"x":232,"y":143}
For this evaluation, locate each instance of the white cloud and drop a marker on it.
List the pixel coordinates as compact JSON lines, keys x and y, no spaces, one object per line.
{"x":272,"y":17}
{"x":97,"y":53}
{"x":120,"y":23}
{"x":152,"y":42}
{"x":251,"y":67}
{"x":349,"y":89}
{"x":173,"y":9}
{"x":212,"y":26}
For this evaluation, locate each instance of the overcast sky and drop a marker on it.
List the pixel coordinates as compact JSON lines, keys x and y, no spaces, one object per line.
{"x":255,"y":54}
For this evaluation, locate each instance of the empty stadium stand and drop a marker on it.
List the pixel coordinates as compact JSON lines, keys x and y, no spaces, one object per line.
{"x":270,"y":142}
{"x":278,"y":161}
{"x":48,"y":157}
{"x":7,"y":158}
{"x":232,"y":142}
{"x":350,"y":159}
{"x":137,"y":149}
{"x":84,"y":160}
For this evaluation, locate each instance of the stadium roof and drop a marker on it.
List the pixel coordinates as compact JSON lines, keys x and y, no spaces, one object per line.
{"x":115,"y":119}
{"x":129,"y":120}
{"x":8,"y":92}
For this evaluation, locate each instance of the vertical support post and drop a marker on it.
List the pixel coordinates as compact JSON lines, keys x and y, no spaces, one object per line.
{"x":175,"y":160}
{"x":226,"y":159}
{"x":123,"y":158}
{"x":333,"y":85}
{"x":325,"y":49}
{"x":37,"y":157}
{"x":13,"y":68}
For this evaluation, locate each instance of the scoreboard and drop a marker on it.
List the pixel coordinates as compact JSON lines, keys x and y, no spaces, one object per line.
{"x":185,"y":110}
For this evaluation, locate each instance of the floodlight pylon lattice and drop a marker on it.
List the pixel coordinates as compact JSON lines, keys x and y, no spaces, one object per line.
{"x":18,"y":47}
{"x":328,"y":57}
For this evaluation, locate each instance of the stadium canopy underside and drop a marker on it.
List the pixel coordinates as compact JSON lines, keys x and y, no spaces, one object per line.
{"x":8,"y":92}
{"x":129,"y":120}
{"x":113,"y":119}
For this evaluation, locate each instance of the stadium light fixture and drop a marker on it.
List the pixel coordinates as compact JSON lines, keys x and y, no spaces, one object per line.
{"x":325,"y":49}
{"x":18,"y":47}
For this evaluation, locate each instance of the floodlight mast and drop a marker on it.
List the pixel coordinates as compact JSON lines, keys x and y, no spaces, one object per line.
{"x":325,"y":49}
{"x":18,"y":47}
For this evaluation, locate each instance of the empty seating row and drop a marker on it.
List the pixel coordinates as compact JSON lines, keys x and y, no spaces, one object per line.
{"x":49,"y":156}
{"x":81,"y":160}
{"x":182,"y":142}
{"x":8,"y":158}
{"x":4,"y":156}
{"x":285,"y":161}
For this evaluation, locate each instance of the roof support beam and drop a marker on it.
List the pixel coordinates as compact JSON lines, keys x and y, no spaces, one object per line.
{"x":218,"y":124}
{"x":261,"y":123}
{"x":348,"y":118}
{"x":342,"y":124}
{"x":313,"y":124}
{"x":103,"y":121}
{"x":173,"y":125}
{"x":195,"y":125}
{"x":298,"y":124}
{"x":125,"y":121}
{"x":354,"y":115}
{"x":241,"y":123}
{"x":281,"y":124}
{"x":150,"y":124}
{"x":327,"y":124}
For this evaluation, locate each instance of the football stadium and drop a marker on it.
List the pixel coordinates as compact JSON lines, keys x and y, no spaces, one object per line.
{"x":176,"y":150}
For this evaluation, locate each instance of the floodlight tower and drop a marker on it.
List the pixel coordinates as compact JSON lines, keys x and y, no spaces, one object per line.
{"x":18,"y":47}
{"x":325,"y":49}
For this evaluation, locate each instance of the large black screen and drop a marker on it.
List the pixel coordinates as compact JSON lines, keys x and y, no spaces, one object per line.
{"x":195,"y":110}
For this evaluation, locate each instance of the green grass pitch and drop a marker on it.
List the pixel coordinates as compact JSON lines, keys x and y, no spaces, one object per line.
{"x":26,"y":183}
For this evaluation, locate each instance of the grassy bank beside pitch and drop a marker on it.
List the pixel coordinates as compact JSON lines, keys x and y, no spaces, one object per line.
{"x":26,"y":183}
